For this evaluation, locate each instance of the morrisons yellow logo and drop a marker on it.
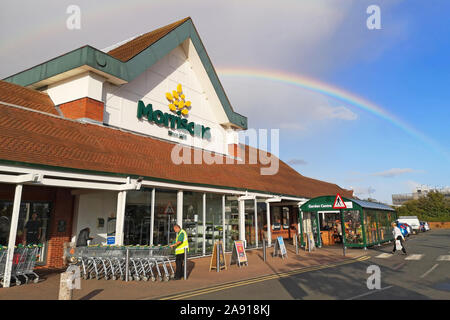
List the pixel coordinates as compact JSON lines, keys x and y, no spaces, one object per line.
{"x":178,"y":103}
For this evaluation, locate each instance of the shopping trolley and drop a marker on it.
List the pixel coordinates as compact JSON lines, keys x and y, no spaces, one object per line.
{"x":110,"y":262}
{"x":23,"y":263}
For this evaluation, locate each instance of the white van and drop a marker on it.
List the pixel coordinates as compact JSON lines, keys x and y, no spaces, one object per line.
{"x":413,"y":221}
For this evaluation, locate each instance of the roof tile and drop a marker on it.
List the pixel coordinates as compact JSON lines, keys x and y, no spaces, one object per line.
{"x":25,"y":97}
{"x":133,"y":47}
{"x":31,"y":137}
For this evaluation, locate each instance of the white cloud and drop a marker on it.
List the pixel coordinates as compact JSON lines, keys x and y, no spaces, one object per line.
{"x":363,"y":190}
{"x":342,"y":113}
{"x":294,"y":162}
{"x":393,"y":172}
{"x":277,"y":105}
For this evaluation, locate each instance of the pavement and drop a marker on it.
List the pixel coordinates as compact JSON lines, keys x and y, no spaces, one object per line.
{"x":199,"y":277}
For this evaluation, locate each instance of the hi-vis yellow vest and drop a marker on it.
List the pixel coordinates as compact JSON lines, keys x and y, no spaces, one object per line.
{"x":184,"y":244}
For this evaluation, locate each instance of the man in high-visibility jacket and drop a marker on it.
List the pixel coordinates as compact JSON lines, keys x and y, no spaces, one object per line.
{"x":180,"y":244}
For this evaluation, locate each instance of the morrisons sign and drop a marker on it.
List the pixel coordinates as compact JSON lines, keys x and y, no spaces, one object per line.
{"x":172,"y":121}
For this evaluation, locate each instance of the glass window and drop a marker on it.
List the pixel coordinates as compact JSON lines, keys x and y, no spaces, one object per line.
{"x":137,"y":217}
{"x":214,"y":226}
{"x":353,"y":229}
{"x":262,"y":220}
{"x":165,"y":216}
{"x":231,"y":221}
{"x":193,"y":221}
{"x":250,"y":234}
{"x":276,"y":218}
{"x":384,"y":225}
{"x":310,"y":226}
{"x":285,"y":218}
{"x":33,"y":224}
{"x":370,"y":223}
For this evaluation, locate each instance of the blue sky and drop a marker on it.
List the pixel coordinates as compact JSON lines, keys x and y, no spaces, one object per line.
{"x":403,"y":68}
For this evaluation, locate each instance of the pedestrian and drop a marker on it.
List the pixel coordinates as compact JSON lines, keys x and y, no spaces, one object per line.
{"x":180,"y":244}
{"x":339,"y":230}
{"x":32,"y":230}
{"x":398,"y":236}
{"x":83,"y":237}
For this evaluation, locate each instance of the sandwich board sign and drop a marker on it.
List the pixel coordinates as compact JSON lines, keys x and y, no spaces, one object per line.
{"x":222,"y":263}
{"x":279,"y":248}
{"x":238,"y":256}
{"x":339,"y":203}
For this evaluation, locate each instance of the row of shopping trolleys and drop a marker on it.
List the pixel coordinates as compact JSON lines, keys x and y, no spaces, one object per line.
{"x":23,"y":264}
{"x":113,"y":262}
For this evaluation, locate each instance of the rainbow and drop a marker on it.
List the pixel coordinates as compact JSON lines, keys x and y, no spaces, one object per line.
{"x":330,"y":91}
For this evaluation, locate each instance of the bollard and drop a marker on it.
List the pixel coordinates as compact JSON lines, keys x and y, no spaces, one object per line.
{"x":296,"y":243}
{"x":65,"y":291}
{"x":185,"y":263}
{"x":127,"y":265}
{"x":217,"y":260}
{"x":343,"y":248}
{"x":264,"y":250}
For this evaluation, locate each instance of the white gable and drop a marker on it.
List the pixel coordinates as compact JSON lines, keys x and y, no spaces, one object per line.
{"x":151,"y":87}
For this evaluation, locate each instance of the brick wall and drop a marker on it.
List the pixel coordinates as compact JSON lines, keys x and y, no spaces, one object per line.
{"x":439,"y":225}
{"x":62,"y":209}
{"x":83,"y":108}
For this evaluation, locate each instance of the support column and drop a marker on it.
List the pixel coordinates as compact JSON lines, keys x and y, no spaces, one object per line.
{"x":223,"y":221}
{"x":180,"y":208}
{"x":120,"y":217}
{"x":256,"y":223}
{"x":152,"y":217}
{"x":204,"y":223}
{"x":242,"y":220}
{"x":269,"y":225}
{"x":12,"y":235}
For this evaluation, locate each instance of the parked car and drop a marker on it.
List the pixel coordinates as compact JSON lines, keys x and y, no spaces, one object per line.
{"x":412,"y":221}
{"x":424,"y":226}
{"x":404,"y":229}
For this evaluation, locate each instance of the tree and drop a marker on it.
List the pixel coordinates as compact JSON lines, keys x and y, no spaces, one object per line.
{"x":433,"y":207}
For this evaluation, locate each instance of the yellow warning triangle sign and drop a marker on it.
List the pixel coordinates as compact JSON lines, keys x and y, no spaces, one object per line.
{"x":339,"y":203}
{"x":169,"y":209}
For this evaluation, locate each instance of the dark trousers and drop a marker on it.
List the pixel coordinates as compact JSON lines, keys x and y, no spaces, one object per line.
{"x":403,"y":245}
{"x":179,"y":261}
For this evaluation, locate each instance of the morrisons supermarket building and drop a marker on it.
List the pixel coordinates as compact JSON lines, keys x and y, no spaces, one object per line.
{"x":86,"y":141}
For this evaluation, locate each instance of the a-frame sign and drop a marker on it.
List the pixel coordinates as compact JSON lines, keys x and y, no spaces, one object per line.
{"x":339,"y":203}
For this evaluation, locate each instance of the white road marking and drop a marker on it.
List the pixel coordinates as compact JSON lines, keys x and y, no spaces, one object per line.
{"x":368,"y":293}
{"x":414,"y":257}
{"x":384,"y":255}
{"x":432,"y":268}
{"x":444,"y":258}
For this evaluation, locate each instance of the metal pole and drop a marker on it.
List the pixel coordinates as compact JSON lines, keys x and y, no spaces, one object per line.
{"x":217,"y":259}
{"x":185,"y":263}
{"x":296,"y":243}
{"x":152,"y":217}
{"x":264,"y":250}
{"x":127,"y":266}
{"x":269,"y":225}
{"x":256,"y":222}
